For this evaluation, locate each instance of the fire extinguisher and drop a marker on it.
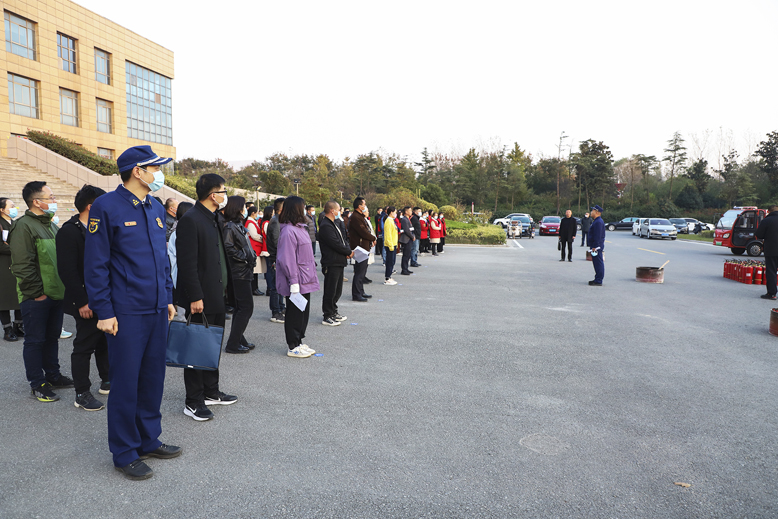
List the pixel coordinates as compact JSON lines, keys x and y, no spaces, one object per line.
{"x":757,"y":275}
{"x":749,"y":275}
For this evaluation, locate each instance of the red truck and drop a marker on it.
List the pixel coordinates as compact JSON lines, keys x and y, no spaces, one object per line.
{"x":736,"y":229}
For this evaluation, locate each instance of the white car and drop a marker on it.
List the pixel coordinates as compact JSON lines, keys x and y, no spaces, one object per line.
{"x":505,"y":221}
{"x":636,"y":226}
{"x":657,"y":228}
{"x":692,"y":223}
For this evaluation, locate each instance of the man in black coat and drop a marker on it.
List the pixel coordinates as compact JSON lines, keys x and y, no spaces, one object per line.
{"x":334,"y":253}
{"x":768,"y":232}
{"x":416,"y":226}
{"x":586,"y":223}
{"x":567,"y":229}
{"x":277,"y":307}
{"x":406,"y":240}
{"x":204,"y":277}
{"x":89,"y":340}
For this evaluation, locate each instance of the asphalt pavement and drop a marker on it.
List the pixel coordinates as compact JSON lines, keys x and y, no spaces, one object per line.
{"x":492,"y":383}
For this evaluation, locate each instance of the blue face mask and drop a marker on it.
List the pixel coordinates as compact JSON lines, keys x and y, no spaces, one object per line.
{"x":159,"y":180}
{"x":55,"y":220}
{"x":245,"y":214}
{"x":14,"y":212}
{"x":52,"y":208}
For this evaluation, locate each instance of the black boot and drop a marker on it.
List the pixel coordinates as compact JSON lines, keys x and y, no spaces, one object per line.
{"x":19,"y":329}
{"x":9,"y":335}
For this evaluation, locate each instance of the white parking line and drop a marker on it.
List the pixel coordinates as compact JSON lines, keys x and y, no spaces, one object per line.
{"x":518,"y":244}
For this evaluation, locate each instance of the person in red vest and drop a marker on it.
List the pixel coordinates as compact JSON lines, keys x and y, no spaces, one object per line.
{"x":258,"y":244}
{"x":443,"y":232}
{"x":425,"y":233}
{"x":435,"y":230}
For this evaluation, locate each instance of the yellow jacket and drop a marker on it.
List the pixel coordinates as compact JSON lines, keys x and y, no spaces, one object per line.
{"x":390,"y":233}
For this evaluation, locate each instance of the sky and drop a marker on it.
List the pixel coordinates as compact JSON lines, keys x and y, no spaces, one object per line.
{"x":343,"y":78}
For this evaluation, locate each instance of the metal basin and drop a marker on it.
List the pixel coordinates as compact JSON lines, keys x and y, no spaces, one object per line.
{"x":650,"y":274}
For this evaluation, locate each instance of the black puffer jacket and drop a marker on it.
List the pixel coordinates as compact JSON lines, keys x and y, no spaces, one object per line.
{"x":240,"y":254}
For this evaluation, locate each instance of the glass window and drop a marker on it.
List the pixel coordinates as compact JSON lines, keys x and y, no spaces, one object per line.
{"x":102,"y":66}
{"x":105,"y":153}
{"x":68,"y":107}
{"x":66,"y":50}
{"x":23,"y":96}
{"x":104,"y":119}
{"x":148,"y":105}
{"x":19,"y":36}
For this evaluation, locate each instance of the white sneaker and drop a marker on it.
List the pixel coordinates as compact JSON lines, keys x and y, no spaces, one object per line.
{"x":298,"y":352}
{"x":330,"y":322}
{"x":65,"y":335}
{"x":307,"y":348}
{"x":390,"y":281}
{"x":340,"y":318}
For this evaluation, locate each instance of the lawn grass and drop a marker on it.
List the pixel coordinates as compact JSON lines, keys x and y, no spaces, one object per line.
{"x":694,"y":237}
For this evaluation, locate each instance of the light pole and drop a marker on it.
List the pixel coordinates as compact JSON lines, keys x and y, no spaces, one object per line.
{"x":297,"y":186}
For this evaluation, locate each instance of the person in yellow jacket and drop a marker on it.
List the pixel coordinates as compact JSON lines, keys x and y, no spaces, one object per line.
{"x":390,"y":243}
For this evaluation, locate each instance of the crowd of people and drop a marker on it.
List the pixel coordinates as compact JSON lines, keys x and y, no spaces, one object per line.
{"x":124,"y":264}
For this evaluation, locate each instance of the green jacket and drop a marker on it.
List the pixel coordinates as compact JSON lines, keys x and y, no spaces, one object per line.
{"x":34,"y":257}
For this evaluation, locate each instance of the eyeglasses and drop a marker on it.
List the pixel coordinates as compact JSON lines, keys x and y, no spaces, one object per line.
{"x":219,"y":192}
{"x":52,"y":197}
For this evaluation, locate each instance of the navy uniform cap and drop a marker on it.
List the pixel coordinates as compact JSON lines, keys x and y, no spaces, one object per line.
{"x":139,"y":156}
{"x":597,"y":208}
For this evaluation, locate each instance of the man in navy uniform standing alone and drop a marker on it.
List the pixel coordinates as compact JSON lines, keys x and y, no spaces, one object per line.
{"x":130,"y":290}
{"x":596,"y":245}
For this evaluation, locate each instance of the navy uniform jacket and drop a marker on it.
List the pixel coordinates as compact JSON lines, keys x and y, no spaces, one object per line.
{"x":596,"y":234}
{"x":126,"y":264}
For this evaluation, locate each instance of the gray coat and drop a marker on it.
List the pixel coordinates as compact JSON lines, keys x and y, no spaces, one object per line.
{"x":311,"y":228}
{"x":273,"y":231}
{"x":9,"y":298}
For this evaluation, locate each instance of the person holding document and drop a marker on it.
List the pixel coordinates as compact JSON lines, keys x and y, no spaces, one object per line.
{"x":295,"y":274}
{"x":361,"y":240}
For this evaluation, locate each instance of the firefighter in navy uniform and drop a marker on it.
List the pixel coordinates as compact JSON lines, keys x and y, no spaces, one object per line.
{"x":130,"y":290}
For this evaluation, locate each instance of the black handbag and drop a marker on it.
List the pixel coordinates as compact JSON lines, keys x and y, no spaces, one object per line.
{"x":194,"y":345}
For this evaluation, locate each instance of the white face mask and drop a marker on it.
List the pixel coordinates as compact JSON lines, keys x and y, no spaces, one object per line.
{"x":313,"y":213}
{"x":223,"y":203}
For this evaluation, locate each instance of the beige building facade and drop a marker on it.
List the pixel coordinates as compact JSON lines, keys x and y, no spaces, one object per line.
{"x":76,"y":74}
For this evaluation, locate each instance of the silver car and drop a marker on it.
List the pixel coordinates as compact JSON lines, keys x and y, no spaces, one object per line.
{"x":657,"y":228}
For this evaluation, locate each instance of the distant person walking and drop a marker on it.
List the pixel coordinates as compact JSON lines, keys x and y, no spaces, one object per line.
{"x":768,"y":231}
{"x":567,"y":228}
{"x":596,"y":246}
{"x":586,"y":223}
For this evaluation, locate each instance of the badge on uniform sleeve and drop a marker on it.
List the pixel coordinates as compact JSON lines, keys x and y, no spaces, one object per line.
{"x":93,"y":223}
{"x":159,"y":222}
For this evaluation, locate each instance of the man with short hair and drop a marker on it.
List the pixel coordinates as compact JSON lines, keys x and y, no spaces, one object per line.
{"x":379,"y":226}
{"x":171,"y":206}
{"x":34,"y":264}
{"x":406,"y":240}
{"x":310,"y":214}
{"x":586,"y":223}
{"x":416,"y":229}
{"x":89,"y":340}
{"x":596,"y":246}
{"x":359,"y":235}
{"x":334,"y":253}
{"x":277,"y":307}
{"x":768,"y":232}
{"x":130,"y":290}
{"x":204,"y":278}
{"x":567,"y":228}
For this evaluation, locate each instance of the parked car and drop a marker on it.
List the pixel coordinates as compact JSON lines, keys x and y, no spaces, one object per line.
{"x":636,"y":226}
{"x":737,"y":230}
{"x":692,"y":223}
{"x":621,"y":225}
{"x":520,"y":226}
{"x":550,"y":225}
{"x":681,"y":225}
{"x":504,"y":222}
{"x":657,"y":228}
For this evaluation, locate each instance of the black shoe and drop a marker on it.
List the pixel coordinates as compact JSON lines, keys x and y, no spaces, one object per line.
{"x":198,"y":412}
{"x":768,"y":296}
{"x":570,"y":260}
{"x":44,"y":393}
{"x":366,"y":296}
{"x":258,"y":292}
{"x":87,"y":402}
{"x":221,"y":399}
{"x":62,"y":382}
{"x":239,"y":349}
{"x":163,"y":452}
{"x":415,"y":265}
{"x":105,"y":388}
{"x":359,"y":300}
{"x":9,"y":335}
{"x":136,"y":470}
{"x":277,"y":318}
{"x":406,"y":273}
{"x":229,"y":309}
{"x":367,"y":281}
{"x":563,"y":259}
{"x":250,"y":345}
{"x":593,"y":283}
{"x":19,"y":329}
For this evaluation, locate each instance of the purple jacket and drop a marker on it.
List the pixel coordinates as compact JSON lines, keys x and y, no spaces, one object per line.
{"x":294,"y":260}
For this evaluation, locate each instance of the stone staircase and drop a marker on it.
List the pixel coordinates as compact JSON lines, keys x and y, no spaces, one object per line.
{"x":15,"y":174}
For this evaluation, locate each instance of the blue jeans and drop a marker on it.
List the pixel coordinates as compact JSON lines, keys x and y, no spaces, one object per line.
{"x":391,"y":255}
{"x":276,"y":301}
{"x":42,"y":328}
{"x":415,"y":251}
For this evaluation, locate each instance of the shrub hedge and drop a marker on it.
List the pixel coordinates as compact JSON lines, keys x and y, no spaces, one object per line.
{"x":181,"y":184}
{"x":477,"y":235}
{"x":74,"y":152}
{"x":450,"y":212}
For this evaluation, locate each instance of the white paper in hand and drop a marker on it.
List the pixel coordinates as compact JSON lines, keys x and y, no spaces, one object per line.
{"x":298,"y":300}
{"x":5,"y":235}
{"x":360,"y":254}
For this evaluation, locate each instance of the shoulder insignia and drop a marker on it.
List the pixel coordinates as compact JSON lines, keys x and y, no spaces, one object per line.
{"x":135,"y":201}
{"x":93,"y":224}
{"x":159,"y":222}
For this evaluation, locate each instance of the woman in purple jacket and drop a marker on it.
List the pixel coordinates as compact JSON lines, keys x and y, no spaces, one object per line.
{"x":295,"y":273}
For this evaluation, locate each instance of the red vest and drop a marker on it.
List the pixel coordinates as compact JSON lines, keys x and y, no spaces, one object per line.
{"x":424,"y":229}
{"x":434,"y":233}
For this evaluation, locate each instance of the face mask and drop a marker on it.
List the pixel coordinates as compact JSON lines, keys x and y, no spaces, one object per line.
{"x":223,"y":203}
{"x":245,"y":214}
{"x":13,"y":212}
{"x":313,"y":213}
{"x":52,"y":209}
{"x":159,"y":181}
{"x":55,"y":220}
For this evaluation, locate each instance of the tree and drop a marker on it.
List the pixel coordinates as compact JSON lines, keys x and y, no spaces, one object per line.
{"x":593,"y":163}
{"x":689,"y":198}
{"x":433,"y":193}
{"x":768,"y":153}
{"x":698,"y":174}
{"x":675,"y":158}
{"x":729,"y":173}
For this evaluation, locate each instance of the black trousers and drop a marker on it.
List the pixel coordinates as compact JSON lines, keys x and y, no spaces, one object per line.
{"x":296,"y":321}
{"x":358,"y":283}
{"x":406,"y":256}
{"x":584,"y":236}
{"x":771,"y":265}
{"x":424,"y":246}
{"x":89,"y":340}
{"x":244,"y":309}
{"x":255,"y":281}
{"x":441,"y":244}
{"x":5,"y":317}
{"x":199,"y":382}
{"x":569,"y":244}
{"x":333,"y":288}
